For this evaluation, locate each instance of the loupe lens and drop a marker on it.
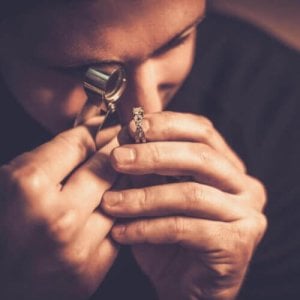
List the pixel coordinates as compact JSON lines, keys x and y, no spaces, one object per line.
{"x":104,"y":86}
{"x":108,"y":81}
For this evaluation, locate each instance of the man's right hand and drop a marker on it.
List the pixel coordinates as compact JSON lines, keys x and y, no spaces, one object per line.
{"x":54,"y":243}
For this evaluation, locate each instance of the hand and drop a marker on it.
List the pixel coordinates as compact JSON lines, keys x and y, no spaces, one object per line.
{"x":193,"y":239}
{"x":54,"y":244}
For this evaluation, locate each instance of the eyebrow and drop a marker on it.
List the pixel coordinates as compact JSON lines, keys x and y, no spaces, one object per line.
{"x":179,"y":34}
{"x":92,"y":62}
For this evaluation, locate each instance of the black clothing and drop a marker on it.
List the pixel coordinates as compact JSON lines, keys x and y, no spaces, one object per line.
{"x":247,"y":83}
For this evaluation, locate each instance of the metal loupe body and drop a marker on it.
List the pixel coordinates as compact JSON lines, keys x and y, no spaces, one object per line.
{"x":104,"y":86}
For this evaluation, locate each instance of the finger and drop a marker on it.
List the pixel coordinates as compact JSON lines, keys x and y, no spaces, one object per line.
{"x":90,"y":252}
{"x":188,"y":232}
{"x":89,"y":238}
{"x":179,"y":158}
{"x":65,"y":233}
{"x":58,"y":157}
{"x":102,"y":260}
{"x":94,"y":268}
{"x":206,"y":235}
{"x":174,"y":126}
{"x":76,"y":248}
{"x":104,"y":136}
{"x":93,"y":251}
{"x":84,"y":189}
{"x":219,"y":244}
{"x":186,"y":198}
{"x":95,"y":176}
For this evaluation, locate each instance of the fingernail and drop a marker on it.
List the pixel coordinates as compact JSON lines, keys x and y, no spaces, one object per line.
{"x":124,"y":155}
{"x":112,"y":198}
{"x":119,"y":230}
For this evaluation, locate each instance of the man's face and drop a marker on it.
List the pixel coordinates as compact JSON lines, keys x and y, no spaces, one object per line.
{"x":49,"y":49}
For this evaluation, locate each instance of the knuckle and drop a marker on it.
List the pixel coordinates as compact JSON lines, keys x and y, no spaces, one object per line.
{"x":144,"y":199}
{"x":224,"y":270}
{"x":262,"y":194}
{"x":76,"y":258}
{"x":259,"y":193}
{"x":248,"y":233}
{"x":239,"y":250}
{"x":24,"y":188}
{"x":195,"y":195}
{"x":235,"y":250}
{"x":177,"y":229}
{"x":231,"y":253}
{"x":204,"y":153}
{"x":141,"y":228}
{"x":35,"y":180}
{"x":207,"y":122}
{"x":80,"y":257}
{"x":207,"y":131}
{"x":156,"y":153}
{"x":259,"y":226}
{"x":26,"y":181}
{"x":61,"y":231}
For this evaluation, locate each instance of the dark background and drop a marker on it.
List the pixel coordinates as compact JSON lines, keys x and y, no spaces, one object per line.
{"x":278,"y":17}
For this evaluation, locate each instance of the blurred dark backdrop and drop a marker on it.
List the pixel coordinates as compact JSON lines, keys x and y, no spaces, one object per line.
{"x":278,"y":17}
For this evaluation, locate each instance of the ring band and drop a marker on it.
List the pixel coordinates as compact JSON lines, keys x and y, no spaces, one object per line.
{"x":138,"y":116}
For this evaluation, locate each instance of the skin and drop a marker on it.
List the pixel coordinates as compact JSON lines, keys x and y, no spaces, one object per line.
{"x":53,"y":91}
{"x":60,"y":213}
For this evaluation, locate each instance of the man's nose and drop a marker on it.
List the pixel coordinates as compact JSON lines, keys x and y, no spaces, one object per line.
{"x":142,"y":90}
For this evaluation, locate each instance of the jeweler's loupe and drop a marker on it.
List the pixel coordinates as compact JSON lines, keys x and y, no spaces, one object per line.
{"x":104,"y":85}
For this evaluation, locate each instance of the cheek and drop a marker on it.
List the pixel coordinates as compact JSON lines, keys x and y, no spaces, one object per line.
{"x":48,"y":96}
{"x":57,"y":98}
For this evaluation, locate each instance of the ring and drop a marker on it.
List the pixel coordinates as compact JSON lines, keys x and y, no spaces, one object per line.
{"x":138,"y":116}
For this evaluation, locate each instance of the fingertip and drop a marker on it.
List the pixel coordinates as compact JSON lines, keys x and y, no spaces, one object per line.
{"x":122,"y":156}
{"x":118,"y":233}
{"x":111,"y":199}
